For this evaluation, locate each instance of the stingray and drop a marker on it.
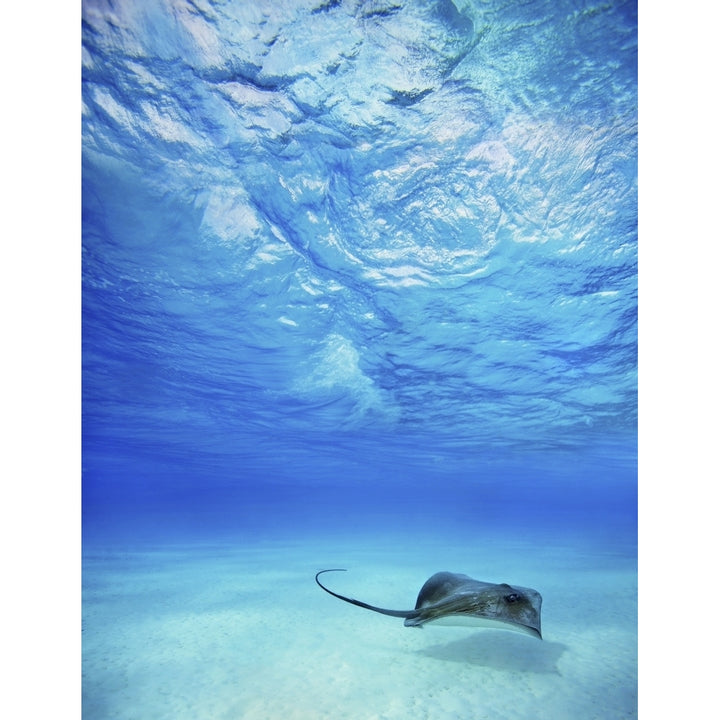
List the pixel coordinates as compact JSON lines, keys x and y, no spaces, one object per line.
{"x":453,"y":599}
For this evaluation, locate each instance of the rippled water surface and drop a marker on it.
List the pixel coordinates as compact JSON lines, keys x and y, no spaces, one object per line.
{"x":357,"y":242}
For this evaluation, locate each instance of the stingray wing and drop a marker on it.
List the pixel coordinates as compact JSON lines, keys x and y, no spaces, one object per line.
{"x":443,"y":586}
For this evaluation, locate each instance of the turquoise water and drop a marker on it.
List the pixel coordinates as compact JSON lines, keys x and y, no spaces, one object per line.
{"x":359,"y":288}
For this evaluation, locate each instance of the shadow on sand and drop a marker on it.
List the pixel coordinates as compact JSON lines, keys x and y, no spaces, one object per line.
{"x":502,"y":651}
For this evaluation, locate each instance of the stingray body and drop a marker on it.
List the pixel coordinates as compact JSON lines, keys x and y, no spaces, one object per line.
{"x":453,"y":599}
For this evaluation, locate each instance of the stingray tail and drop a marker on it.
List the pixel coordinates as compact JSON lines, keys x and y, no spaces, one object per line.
{"x":383,"y":611}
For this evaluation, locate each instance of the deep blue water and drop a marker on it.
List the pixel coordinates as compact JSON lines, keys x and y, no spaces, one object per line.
{"x":356,"y":265}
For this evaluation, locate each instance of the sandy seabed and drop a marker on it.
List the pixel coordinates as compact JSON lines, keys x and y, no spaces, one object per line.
{"x":242,"y":631}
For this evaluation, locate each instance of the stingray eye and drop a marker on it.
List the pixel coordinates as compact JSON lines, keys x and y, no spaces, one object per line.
{"x":512,"y":597}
